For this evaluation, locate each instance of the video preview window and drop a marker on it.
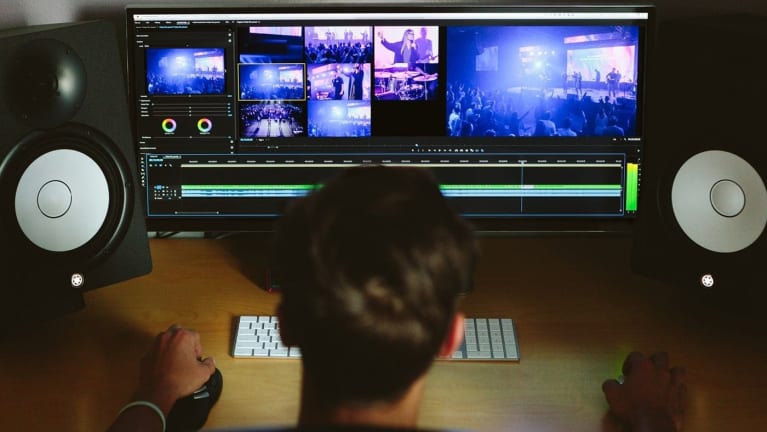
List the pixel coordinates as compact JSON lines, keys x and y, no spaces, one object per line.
{"x":264,"y":44}
{"x":272,"y":81}
{"x":185,"y":71}
{"x":406,"y":63}
{"x":338,"y":81}
{"x":562,"y":81}
{"x":273,"y":119}
{"x":338,"y":118}
{"x":325,"y":45}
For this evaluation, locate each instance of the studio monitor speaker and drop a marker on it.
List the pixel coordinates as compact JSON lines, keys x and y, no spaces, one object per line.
{"x":70,"y":216}
{"x":703,"y":201}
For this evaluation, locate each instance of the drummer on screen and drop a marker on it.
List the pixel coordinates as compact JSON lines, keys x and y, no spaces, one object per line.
{"x":405,"y":51}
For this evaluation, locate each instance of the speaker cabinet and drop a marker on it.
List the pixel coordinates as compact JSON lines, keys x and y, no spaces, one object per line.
{"x":703,"y":203}
{"x":70,"y":216}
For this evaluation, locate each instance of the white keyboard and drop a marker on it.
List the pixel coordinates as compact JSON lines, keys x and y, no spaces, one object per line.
{"x":488,"y":339}
{"x":484,"y":339}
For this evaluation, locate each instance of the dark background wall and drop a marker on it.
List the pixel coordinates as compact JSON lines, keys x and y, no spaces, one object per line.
{"x":15,"y":13}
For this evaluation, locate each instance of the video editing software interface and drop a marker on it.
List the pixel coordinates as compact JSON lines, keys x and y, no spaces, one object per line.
{"x":519,"y":112}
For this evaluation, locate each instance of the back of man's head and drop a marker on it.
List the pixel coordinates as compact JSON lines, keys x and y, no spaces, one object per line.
{"x":376,"y":259}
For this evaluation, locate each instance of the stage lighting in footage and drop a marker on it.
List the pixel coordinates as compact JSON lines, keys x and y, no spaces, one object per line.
{"x":272,"y":81}
{"x":339,"y":118}
{"x":272,"y":120}
{"x":185,"y":71}
{"x":562,"y":81}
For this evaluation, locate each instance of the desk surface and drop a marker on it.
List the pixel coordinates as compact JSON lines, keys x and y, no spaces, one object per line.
{"x":578,"y":310}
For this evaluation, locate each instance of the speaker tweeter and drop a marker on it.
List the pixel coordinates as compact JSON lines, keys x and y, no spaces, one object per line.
{"x":45,"y":82}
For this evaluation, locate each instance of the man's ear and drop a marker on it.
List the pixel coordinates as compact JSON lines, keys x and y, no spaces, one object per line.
{"x":287,"y":336}
{"x":454,"y":336}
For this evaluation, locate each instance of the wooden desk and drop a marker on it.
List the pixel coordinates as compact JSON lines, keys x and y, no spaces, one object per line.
{"x":577,"y":307}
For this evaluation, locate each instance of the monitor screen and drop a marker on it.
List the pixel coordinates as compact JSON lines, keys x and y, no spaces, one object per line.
{"x":530,"y":118}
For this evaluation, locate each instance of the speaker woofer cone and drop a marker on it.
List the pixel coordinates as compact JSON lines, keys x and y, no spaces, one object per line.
{"x":37,"y":175}
{"x":719,"y":201}
{"x":62,"y":199}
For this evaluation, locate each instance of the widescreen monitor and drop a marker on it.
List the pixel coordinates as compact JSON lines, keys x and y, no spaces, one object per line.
{"x":531,"y":118}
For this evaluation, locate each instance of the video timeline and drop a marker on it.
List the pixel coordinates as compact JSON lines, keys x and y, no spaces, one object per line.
{"x":533,"y":185}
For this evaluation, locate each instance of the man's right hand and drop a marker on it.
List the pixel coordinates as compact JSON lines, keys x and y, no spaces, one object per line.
{"x":173,"y":368}
{"x":651,"y":397}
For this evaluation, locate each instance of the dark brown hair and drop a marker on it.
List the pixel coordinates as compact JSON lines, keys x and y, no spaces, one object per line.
{"x":375,"y":259}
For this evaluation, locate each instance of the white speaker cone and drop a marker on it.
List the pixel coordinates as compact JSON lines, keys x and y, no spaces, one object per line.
{"x":62,"y":200}
{"x":719,"y":201}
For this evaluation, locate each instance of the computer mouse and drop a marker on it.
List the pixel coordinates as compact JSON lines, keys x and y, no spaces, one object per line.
{"x":191,"y":413}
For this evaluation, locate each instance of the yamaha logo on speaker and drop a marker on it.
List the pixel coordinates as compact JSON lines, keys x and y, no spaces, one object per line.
{"x":78,"y":280}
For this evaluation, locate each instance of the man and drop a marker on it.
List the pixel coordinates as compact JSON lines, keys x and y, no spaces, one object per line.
{"x":454,"y":121}
{"x":578,"y":81}
{"x":338,"y":86}
{"x":356,"y":82}
{"x":377,"y":257}
{"x":566,"y":129}
{"x":613,"y":129}
{"x":545,"y":126}
{"x":597,"y":78}
{"x":424,"y":46}
{"x":613,"y":80}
